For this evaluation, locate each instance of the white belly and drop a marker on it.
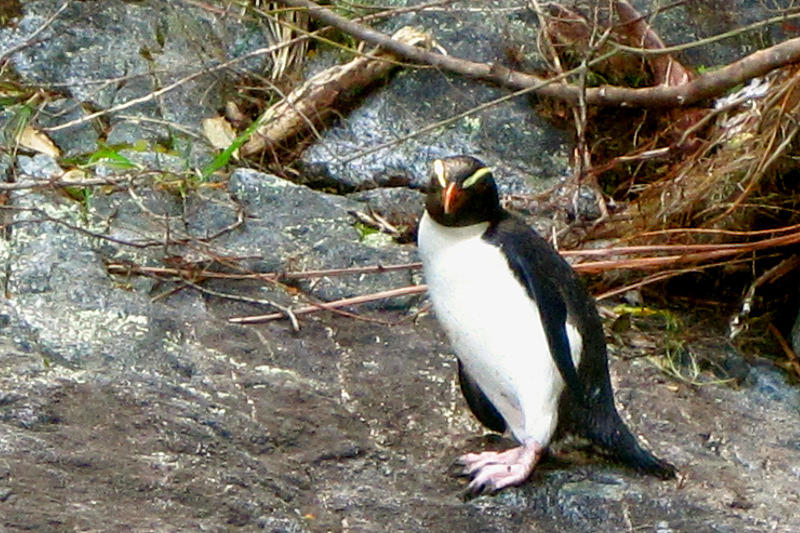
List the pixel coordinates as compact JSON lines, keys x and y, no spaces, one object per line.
{"x":493,"y":326}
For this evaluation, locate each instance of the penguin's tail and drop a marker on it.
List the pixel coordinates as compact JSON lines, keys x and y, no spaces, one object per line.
{"x":615,"y":438}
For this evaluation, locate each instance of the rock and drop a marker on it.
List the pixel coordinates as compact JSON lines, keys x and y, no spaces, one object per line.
{"x":299,"y":229}
{"x":398,"y":206}
{"x":393,"y":202}
{"x":131,"y":402}
{"x":81,"y":139}
{"x":6,"y":164}
{"x":102,"y":58}
{"x":39,"y":166}
{"x":694,"y":21}
{"x":528,"y":152}
{"x":159,"y":412}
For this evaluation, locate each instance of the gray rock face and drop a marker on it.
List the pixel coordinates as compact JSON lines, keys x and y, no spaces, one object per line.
{"x":131,"y":403}
{"x":528,"y":152}
{"x":304,"y":230}
{"x":693,"y":21}
{"x":112,"y":53}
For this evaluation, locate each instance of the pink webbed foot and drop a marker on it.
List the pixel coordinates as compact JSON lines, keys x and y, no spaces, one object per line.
{"x":492,"y":471}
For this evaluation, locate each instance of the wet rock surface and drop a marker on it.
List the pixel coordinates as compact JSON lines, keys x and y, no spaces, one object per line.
{"x":131,"y":403}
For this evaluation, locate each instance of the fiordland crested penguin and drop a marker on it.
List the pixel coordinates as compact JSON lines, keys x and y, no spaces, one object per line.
{"x":530,"y":345}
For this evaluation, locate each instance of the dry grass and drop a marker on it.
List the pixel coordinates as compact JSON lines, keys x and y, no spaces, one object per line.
{"x":735,"y":178}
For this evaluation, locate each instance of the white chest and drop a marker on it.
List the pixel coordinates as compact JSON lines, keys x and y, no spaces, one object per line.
{"x":493,"y":325}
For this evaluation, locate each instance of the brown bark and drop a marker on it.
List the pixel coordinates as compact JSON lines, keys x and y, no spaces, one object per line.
{"x":666,"y":69}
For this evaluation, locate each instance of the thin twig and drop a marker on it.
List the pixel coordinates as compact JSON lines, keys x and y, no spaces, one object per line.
{"x":313,"y":101}
{"x":31,"y":182}
{"x":718,"y":231}
{"x":45,"y":218}
{"x":473,"y":110}
{"x":665,"y":275}
{"x":791,"y":357}
{"x":707,"y":40}
{"x":737,"y":322}
{"x":284,"y":311}
{"x":31,"y":38}
{"x":172,"y":86}
{"x":191,"y":273}
{"x":356,"y":300}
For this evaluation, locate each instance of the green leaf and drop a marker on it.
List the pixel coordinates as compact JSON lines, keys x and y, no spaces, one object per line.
{"x":107,"y":154}
{"x":222,"y":159}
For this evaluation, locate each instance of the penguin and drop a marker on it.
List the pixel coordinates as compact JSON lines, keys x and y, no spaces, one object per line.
{"x":531,"y":350}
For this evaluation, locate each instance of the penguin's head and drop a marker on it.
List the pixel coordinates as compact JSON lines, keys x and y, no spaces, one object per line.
{"x":462,"y":192}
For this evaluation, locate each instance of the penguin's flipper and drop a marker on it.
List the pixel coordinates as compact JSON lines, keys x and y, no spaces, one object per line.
{"x":534,"y":264}
{"x":482,"y":408}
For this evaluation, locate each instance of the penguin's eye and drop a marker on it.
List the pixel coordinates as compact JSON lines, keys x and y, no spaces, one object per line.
{"x":475,"y":178}
{"x":438,"y":171}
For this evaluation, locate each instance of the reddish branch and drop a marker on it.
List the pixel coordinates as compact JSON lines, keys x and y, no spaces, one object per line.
{"x":707,"y":85}
{"x":329,"y":306}
{"x":666,"y":70}
{"x":195,"y":272}
{"x":683,"y":257}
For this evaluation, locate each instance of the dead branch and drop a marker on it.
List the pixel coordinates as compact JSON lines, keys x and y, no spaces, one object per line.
{"x":707,"y":85}
{"x":666,"y":69}
{"x":314,"y":100}
{"x":344,"y":302}
{"x":66,"y":180}
{"x":680,"y":259}
{"x":193,"y":275}
{"x":792,"y":360}
{"x":737,"y":322}
{"x":284,"y":311}
{"x":196,"y":272}
{"x":665,"y":275}
{"x":686,"y":254}
{"x":43,"y":218}
{"x":174,"y":85}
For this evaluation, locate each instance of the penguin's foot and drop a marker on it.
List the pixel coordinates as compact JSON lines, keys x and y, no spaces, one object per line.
{"x":492,"y":471}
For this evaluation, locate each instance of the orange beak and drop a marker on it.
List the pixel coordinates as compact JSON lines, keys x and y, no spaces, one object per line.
{"x":449,"y":198}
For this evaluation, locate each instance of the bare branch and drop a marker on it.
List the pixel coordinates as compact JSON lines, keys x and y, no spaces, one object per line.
{"x":174,"y":85}
{"x":707,"y":85}
{"x":313,"y":101}
{"x":31,"y":182}
{"x":284,"y":311}
{"x":194,"y":273}
{"x":344,"y":302}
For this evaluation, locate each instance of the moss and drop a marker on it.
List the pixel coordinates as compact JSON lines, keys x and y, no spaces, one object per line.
{"x":9,"y":10}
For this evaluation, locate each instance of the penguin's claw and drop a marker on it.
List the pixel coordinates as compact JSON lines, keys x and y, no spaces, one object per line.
{"x":493,"y":471}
